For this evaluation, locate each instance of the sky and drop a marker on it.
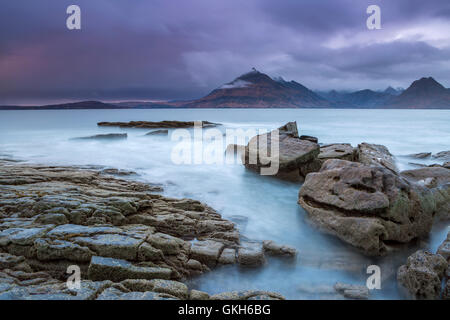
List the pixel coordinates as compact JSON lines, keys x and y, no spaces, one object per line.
{"x":183,"y":49}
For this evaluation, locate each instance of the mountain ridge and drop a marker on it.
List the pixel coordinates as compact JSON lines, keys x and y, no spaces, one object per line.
{"x":257,"y":90}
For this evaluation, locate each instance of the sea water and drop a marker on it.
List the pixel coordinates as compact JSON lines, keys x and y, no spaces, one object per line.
{"x":263,"y":208}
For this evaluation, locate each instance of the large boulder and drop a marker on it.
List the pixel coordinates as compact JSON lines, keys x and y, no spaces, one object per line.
{"x":422,"y":274}
{"x":369,"y":207}
{"x":295,"y":154}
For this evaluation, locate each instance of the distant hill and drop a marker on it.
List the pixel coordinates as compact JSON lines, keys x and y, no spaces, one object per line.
{"x":425,"y":93}
{"x":359,"y":99}
{"x":258,"y":90}
{"x":74,"y":105}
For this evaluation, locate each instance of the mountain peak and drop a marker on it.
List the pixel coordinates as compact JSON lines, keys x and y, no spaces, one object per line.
{"x":424,"y":82}
{"x":254,"y":76}
{"x":423,"y":93}
{"x":390,"y":90}
{"x":255,"y":89}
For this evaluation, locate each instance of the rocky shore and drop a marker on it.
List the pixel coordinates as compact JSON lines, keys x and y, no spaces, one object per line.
{"x":128,"y":241}
{"x":357,"y":194}
{"x":360,"y":196}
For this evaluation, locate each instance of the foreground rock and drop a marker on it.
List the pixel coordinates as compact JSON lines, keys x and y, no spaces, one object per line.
{"x":369,"y":207}
{"x":422,"y":275}
{"x":294,"y":158}
{"x":19,"y":282}
{"x":157,"y":124}
{"x":128,"y":242}
{"x":57,"y":216}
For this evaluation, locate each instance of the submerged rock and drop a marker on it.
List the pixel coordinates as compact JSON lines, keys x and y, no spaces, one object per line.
{"x":352,"y":291}
{"x":158,"y":133}
{"x":421,"y":155}
{"x":108,"y":136}
{"x":248,"y":295}
{"x":118,"y":172}
{"x":272,"y":248}
{"x":366,"y":206}
{"x":235,"y":149}
{"x":443,"y":155}
{"x":422,"y":275}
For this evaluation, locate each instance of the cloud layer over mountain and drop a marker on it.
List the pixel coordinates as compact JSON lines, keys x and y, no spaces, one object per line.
{"x":177,"y":49}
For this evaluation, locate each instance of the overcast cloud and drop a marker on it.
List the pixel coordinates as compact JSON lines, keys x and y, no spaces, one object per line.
{"x":182,"y":49}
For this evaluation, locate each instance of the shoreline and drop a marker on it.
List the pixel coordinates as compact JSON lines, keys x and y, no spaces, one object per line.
{"x":147,"y":240}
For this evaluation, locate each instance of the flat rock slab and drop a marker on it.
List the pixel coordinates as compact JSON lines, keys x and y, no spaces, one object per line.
{"x":207,"y":252}
{"x":272,"y":248}
{"x":117,"y":270}
{"x":251,"y":254}
{"x":112,"y":245}
{"x":158,"y":124}
{"x":343,"y":151}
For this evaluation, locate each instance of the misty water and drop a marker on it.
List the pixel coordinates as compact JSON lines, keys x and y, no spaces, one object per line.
{"x":262,"y":207}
